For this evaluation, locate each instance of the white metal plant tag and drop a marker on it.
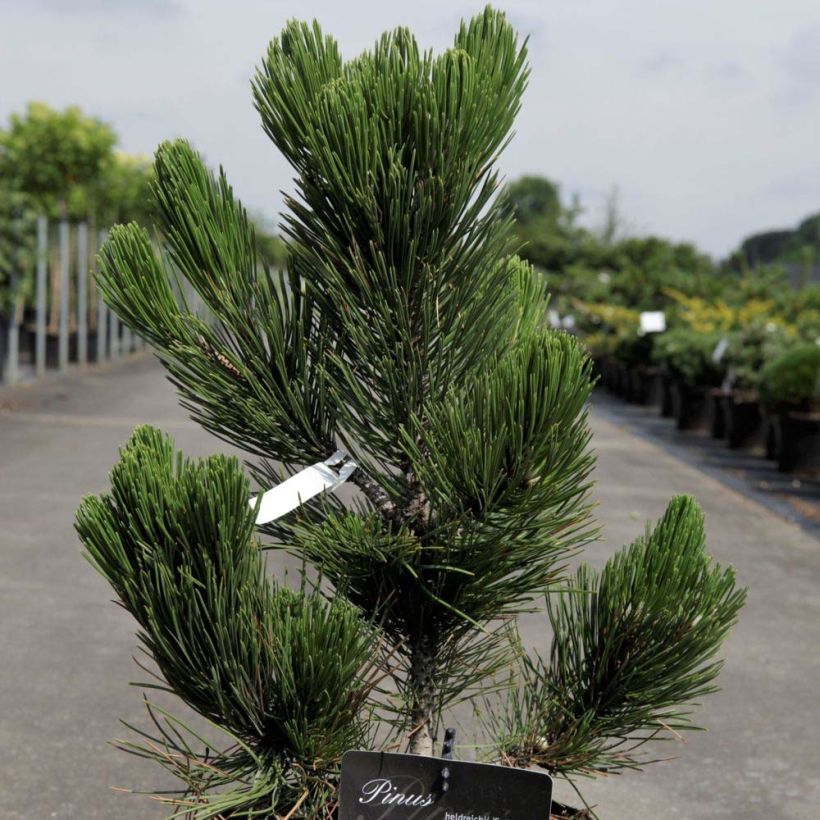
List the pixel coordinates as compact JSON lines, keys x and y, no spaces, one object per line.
{"x":303,"y":486}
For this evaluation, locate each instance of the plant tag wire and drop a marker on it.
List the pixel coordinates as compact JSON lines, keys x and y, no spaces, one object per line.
{"x":319,"y":477}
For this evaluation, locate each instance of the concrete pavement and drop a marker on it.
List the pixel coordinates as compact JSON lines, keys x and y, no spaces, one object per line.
{"x":65,"y":650}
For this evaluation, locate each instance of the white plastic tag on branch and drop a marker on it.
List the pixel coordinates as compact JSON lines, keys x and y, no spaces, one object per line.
{"x":652,"y":321}
{"x":720,"y":350}
{"x":304,"y":485}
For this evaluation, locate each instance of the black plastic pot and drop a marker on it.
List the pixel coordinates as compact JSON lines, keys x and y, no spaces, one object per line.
{"x":742,"y":417}
{"x":667,"y":403}
{"x":607,"y":370}
{"x":53,"y":346}
{"x":642,"y":383}
{"x":619,"y":379}
{"x":4,"y":340}
{"x":791,"y":431}
{"x":717,"y":416}
{"x":634,"y":386}
{"x":597,"y":370}
{"x":689,"y":404}
{"x":770,"y":434}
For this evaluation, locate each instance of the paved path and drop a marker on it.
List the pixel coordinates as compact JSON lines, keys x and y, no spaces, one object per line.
{"x":794,"y":495}
{"x":65,"y":650}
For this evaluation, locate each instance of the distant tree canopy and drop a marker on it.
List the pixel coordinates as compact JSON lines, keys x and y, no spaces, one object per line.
{"x":56,"y":157}
{"x":65,"y":164}
{"x":546,"y":231}
{"x":534,"y":198}
{"x":123,"y":192}
{"x":783,"y":246}
{"x":769,"y":246}
{"x":599,"y":266}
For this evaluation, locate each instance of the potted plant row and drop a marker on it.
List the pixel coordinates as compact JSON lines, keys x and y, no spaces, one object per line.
{"x":790,"y":394}
{"x":686,"y":359}
{"x":757,"y":383}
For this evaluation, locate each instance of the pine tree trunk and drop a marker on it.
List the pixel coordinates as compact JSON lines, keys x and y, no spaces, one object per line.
{"x":422,"y":740}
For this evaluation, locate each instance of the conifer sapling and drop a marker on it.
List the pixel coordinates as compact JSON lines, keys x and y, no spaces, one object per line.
{"x":405,"y":334}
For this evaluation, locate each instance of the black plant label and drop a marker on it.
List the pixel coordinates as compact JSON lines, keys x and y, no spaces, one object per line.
{"x":382,"y":786}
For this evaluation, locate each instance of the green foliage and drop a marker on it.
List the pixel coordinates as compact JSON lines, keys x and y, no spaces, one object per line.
{"x":282,"y":673}
{"x":606,"y":329}
{"x":403,"y":243}
{"x":534,"y":198}
{"x":642,"y":269}
{"x":272,"y":249}
{"x":688,"y":355}
{"x":637,"y":273}
{"x":499,"y":511}
{"x":55,"y":156}
{"x":65,"y":163}
{"x":252,"y":374}
{"x":545,"y":231}
{"x":807,"y":325}
{"x":18,"y":226}
{"x":630,"y":652}
{"x":760,"y":282}
{"x":533,"y":401}
{"x":402,"y":332}
{"x":751,"y":347}
{"x":123,"y":190}
{"x":793,"y":378}
{"x":799,"y":308}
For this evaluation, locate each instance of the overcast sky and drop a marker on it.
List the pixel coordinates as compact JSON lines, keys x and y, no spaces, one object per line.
{"x":704,"y":113}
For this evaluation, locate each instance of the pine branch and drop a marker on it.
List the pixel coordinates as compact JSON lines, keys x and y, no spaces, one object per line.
{"x":252,"y":375}
{"x":632,"y":649}
{"x":402,"y":243}
{"x":283,"y":672}
{"x":374,"y":492}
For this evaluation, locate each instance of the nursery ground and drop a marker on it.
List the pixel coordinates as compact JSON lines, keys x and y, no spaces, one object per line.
{"x":793,"y":495}
{"x":67,"y":650}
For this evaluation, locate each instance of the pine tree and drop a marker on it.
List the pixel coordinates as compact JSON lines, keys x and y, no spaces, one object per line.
{"x":404,"y":334}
